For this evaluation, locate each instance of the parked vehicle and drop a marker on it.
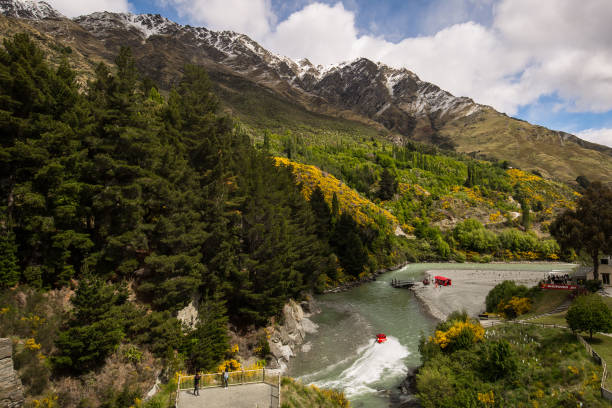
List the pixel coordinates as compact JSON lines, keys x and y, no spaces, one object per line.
{"x":442,"y":281}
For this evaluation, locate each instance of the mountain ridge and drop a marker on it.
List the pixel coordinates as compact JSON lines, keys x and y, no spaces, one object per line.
{"x":360,"y":90}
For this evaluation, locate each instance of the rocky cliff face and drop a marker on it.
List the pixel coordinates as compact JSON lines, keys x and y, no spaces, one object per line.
{"x":287,"y":338}
{"x":11,"y":392}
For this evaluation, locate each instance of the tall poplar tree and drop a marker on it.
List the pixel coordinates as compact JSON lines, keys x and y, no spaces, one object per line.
{"x":589,"y":227}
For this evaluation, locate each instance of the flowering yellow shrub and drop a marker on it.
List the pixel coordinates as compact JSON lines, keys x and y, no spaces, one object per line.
{"x":495,"y":217}
{"x":235,"y":349}
{"x":337,"y":397}
{"x":515,"y":307}
{"x":538,"y":191}
{"x":446,"y":338}
{"x":137,"y":403}
{"x":31,"y":344}
{"x":350,"y":201}
{"x":404,"y":188}
{"x":487,"y":397}
{"x":232,"y":364}
{"x":520,"y":175}
{"x":49,"y":401}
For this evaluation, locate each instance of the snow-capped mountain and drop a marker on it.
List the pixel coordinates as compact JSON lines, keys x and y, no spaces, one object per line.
{"x":359,"y":90}
{"x":396,"y":98}
{"x":34,"y":10}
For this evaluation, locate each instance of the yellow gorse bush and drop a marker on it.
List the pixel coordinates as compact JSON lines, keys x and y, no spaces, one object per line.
{"x":537,"y":190}
{"x":487,"y":397}
{"x":495,"y":217}
{"x":522,"y":176}
{"x":31,"y":344}
{"x":446,"y":338}
{"x":350,"y":200}
{"x":515,"y":307}
{"x":49,"y":401}
{"x":337,"y":397}
{"x":233,"y":365}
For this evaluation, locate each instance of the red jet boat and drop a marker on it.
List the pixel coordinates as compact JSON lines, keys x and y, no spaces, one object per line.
{"x":381,"y":338}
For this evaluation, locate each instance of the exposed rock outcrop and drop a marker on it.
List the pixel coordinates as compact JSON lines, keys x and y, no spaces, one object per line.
{"x":407,"y":397}
{"x":11,"y":391}
{"x":189,"y":314}
{"x":286,"y":338}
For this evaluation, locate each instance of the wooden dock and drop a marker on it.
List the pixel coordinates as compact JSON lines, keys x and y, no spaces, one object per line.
{"x":396,"y":283}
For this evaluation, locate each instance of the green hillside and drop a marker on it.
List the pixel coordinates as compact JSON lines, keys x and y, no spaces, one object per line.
{"x":531,"y":147}
{"x":435,"y":190}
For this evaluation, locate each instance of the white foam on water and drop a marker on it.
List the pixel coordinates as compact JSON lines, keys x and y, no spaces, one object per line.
{"x":310,"y":378}
{"x":375,"y":362}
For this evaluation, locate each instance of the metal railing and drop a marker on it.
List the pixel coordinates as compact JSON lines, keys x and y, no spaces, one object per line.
{"x":241,"y":377}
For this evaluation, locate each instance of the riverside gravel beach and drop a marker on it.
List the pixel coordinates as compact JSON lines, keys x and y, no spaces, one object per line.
{"x":469,"y":289}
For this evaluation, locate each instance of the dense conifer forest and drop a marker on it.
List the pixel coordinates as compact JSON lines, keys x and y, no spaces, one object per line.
{"x":120,"y":192}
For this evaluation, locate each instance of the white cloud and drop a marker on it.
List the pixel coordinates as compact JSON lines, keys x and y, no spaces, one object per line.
{"x":71,"y":8}
{"x":252,"y":17}
{"x":602,"y":136}
{"x":568,"y":45}
{"x":466,"y":59}
{"x":531,"y":49}
{"x":325,"y":33}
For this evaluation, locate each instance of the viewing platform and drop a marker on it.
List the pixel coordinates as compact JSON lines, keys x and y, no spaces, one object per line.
{"x":246,"y":389}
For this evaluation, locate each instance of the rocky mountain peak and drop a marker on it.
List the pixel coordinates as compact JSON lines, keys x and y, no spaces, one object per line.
{"x":31,"y":10}
{"x":397,"y":98}
{"x":145,"y":25}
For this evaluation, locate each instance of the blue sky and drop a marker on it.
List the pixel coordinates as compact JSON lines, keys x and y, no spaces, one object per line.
{"x":547,"y":61}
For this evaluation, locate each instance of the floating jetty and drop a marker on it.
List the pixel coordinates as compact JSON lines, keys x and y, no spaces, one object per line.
{"x":402,"y":283}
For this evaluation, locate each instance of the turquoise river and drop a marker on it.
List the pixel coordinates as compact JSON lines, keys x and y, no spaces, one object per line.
{"x":342,"y":354}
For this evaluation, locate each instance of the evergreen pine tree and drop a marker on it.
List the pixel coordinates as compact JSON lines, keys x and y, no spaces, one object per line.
{"x":9,"y":268}
{"x":388,"y":185}
{"x":321,"y":211}
{"x":335,"y":208}
{"x":526,"y":216}
{"x":348,"y":245}
{"x":208,"y":343}
{"x":96,"y":328}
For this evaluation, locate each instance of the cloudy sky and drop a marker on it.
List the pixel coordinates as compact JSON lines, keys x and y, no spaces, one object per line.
{"x":545,"y":61}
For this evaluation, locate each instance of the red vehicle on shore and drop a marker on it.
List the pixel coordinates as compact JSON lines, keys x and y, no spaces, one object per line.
{"x":442,"y":281}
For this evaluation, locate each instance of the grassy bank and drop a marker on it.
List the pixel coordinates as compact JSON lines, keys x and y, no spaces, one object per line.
{"x":546,"y":301}
{"x":510,"y":366}
{"x":297,"y":395}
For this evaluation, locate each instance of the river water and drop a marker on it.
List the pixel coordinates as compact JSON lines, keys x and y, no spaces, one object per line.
{"x":343,"y":354}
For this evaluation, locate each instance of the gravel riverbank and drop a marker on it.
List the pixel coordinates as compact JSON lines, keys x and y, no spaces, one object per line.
{"x":468,"y":290}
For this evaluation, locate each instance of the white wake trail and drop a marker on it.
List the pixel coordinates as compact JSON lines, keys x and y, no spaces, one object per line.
{"x":374,"y":363}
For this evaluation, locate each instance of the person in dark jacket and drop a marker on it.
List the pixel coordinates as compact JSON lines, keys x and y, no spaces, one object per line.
{"x":196,"y":384}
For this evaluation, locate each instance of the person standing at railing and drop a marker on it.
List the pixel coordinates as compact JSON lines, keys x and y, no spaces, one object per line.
{"x":226,"y":377}
{"x":196,"y":384}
